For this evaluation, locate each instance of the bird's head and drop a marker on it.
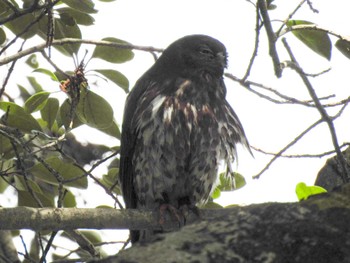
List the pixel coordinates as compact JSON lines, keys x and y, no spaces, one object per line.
{"x":195,"y":55}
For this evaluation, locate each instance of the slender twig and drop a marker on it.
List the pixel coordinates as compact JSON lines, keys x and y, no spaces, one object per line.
{"x":18,"y":13}
{"x":290,"y":16}
{"x":47,"y":57}
{"x":267,"y":166}
{"x":313,"y":27}
{"x":271,"y":37}
{"x":48,"y":246}
{"x":9,"y":72}
{"x":286,"y":99}
{"x":311,"y":7}
{"x":305,"y":155}
{"x":97,"y":181}
{"x":65,"y":41}
{"x":108,"y":191}
{"x":27,"y":27}
{"x":325,"y":117}
{"x":25,"y":175}
{"x":256,"y":46}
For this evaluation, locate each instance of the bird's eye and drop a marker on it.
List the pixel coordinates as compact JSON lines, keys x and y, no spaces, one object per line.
{"x":206,"y":51}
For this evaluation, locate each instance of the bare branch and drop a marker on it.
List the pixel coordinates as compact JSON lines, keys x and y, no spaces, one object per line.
{"x":313,"y":27}
{"x":65,"y":41}
{"x":290,"y":16}
{"x":271,"y":36}
{"x":256,"y":45}
{"x":305,"y":155}
{"x":322,"y":111}
{"x":286,"y":148}
{"x":286,"y":99}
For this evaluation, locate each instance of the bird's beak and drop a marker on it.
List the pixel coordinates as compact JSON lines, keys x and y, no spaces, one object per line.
{"x":222,"y":59}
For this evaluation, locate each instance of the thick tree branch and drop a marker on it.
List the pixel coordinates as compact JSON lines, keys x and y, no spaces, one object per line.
{"x":40,"y":219}
{"x":315,"y":230}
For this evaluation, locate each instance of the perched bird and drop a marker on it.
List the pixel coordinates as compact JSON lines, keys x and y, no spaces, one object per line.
{"x":177,"y":128}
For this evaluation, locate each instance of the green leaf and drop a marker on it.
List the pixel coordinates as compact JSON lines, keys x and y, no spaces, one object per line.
{"x":64,"y":118}
{"x":227,"y":183}
{"x":49,"y":112}
{"x":36,"y":102}
{"x":303,"y":191}
{"x":17,"y":117}
{"x":110,"y":179}
{"x":113,"y":130}
{"x":24,"y":94}
{"x":79,"y":17}
{"x":6,"y":10}
{"x":68,"y":171}
{"x":69,"y":200}
{"x":48,"y":73}
{"x":212,"y":205}
{"x":113,"y":54}
{"x":86,"y":6}
{"x":32,"y":61}
{"x":270,"y":6}
{"x":3,"y":185}
{"x":18,"y":25}
{"x":63,"y":30}
{"x":115,"y":76}
{"x":36,"y":86}
{"x":239,"y":180}
{"x":26,"y":199}
{"x":22,"y":186}
{"x":93,"y":236}
{"x":67,"y":19}
{"x":94,"y":110}
{"x":344,"y":47}
{"x":7,"y":167}
{"x":2,"y":36}
{"x":216,"y":193}
{"x":6,"y":150}
{"x":316,"y":40}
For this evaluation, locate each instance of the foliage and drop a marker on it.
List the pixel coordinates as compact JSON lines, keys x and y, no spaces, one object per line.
{"x":37,"y":153}
{"x":304,"y":192}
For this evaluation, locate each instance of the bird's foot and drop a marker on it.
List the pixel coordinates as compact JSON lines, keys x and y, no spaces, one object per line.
{"x":190,"y":212}
{"x":176,"y":213}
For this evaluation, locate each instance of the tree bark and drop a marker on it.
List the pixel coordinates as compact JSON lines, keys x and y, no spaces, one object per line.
{"x":315,"y":230}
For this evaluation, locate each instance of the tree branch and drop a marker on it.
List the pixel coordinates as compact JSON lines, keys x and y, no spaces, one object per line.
{"x":286,"y":148}
{"x":54,"y":219}
{"x":271,"y":37}
{"x":315,"y":230}
{"x":325,"y":117}
{"x":313,"y":27}
{"x":65,"y":41}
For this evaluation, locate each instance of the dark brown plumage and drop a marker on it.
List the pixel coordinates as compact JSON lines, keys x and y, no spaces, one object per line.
{"x":177,"y":128}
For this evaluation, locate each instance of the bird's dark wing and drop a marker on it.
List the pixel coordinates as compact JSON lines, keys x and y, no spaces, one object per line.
{"x":135,"y":103}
